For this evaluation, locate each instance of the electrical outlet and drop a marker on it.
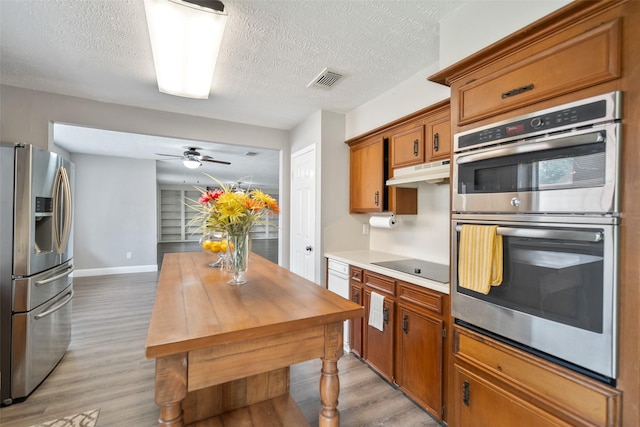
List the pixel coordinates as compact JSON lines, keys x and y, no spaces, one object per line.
{"x":128,"y":255}
{"x":365,"y":229}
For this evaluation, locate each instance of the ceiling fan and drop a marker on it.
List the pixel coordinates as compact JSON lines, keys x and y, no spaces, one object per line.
{"x":192,"y":159}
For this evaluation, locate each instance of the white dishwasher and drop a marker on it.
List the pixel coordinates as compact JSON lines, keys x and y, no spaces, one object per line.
{"x":338,"y":283}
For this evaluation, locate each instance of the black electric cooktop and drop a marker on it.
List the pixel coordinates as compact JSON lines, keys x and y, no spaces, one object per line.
{"x":417,"y":267}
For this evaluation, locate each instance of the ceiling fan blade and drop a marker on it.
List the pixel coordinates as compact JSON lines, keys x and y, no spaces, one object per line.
{"x":169,"y":155}
{"x":212,"y":160}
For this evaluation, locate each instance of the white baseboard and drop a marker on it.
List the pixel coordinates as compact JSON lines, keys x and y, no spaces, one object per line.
{"x":114,"y":270}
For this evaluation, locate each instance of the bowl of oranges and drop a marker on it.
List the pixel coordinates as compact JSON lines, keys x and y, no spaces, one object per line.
{"x":215,"y":242}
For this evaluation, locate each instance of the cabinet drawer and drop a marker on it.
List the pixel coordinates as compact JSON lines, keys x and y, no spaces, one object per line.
{"x":422,"y":297}
{"x":355,"y":274}
{"x":586,"y":59}
{"x":577,"y":398}
{"x":381,"y":284}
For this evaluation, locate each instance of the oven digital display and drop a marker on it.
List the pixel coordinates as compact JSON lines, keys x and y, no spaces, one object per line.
{"x":514,"y":129}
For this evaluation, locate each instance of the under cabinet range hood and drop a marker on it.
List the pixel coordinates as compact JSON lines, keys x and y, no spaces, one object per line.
{"x":432,"y":173}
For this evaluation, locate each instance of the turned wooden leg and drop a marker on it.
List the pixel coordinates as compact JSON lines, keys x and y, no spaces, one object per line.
{"x":329,"y":381}
{"x":171,"y":389}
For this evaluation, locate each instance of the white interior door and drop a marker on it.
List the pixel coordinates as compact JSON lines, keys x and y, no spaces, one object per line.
{"x":303,"y":213}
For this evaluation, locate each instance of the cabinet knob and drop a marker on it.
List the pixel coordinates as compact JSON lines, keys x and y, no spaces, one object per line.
{"x":308,"y":248}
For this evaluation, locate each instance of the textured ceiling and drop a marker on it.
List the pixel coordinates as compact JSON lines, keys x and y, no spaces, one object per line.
{"x":271,"y":51}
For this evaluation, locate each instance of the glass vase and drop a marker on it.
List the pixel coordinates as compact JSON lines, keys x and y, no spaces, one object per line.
{"x":238,"y":257}
{"x":215,"y":242}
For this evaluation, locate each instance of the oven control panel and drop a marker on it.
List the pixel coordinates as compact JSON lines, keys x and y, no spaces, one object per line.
{"x":568,"y":116}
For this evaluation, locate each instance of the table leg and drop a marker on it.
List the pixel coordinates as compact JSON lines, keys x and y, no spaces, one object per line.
{"x":329,"y":381}
{"x":171,"y":389}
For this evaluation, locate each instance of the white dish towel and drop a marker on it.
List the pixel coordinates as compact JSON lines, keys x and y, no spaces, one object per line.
{"x":375,"y":311}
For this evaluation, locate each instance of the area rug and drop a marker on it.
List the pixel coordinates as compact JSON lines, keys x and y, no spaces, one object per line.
{"x":85,"y":419}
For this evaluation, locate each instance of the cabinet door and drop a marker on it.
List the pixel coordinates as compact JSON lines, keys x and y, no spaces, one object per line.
{"x":480,"y":403}
{"x":407,"y":147}
{"x":438,"y":144}
{"x":379,"y":344}
{"x":419,"y":371}
{"x":367,"y":176}
{"x":355,"y":325}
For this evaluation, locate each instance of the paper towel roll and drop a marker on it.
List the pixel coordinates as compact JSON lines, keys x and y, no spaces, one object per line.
{"x":387,"y":221}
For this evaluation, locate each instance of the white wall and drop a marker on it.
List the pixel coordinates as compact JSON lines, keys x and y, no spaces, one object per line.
{"x":408,"y":97}
{"x":115,"y":213}
{"x":335,"y":228}
{"x":468,"y":29}
{"x":27,"y":116}
{"x":478,"y":24}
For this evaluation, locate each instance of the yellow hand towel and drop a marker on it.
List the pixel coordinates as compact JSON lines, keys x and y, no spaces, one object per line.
{"x":479,"y":258}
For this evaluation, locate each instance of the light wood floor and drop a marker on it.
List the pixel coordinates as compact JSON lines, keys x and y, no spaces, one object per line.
{"x":105,"y":369}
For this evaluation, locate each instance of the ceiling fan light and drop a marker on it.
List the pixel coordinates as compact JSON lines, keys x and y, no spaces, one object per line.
{"x":185,"y":41}
{"x":191,"y":163}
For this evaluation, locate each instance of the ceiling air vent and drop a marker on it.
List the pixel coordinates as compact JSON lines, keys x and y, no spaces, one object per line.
{"x":326,"y":79}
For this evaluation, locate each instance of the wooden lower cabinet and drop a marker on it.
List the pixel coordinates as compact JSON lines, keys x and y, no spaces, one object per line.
{"x":482,"y":403}
{"x":356,"y":294}
{"x":410,"y":351}
{"x":379,"y":344}
{"x":421,"y":332}
{"x":497,"y":385}
{"x":420,"y":358}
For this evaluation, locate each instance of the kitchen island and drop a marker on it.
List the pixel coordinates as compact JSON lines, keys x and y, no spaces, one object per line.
{"x":223,"y":352}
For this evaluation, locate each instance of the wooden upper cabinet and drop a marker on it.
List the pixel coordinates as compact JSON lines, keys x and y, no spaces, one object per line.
{"x":367,"y":186}
{"x":536,"y":67}
{"x":438,"y":143}
{"x":584,"y":60}
{"x":369,"y":169}
{"x":424,"y":139}
{"x":407,"y":146}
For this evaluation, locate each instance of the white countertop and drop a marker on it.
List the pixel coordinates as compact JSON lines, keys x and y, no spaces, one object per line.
{"x":365,"y":258}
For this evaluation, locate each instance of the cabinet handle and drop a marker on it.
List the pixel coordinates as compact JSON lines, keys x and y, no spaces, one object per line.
{"x":436,"y":142}
{"x":356,"y":298}
{"x":465,"y":393}
{"x":517,"y":91}
{"x":415,"y":147}
{"x":377,"y":198}
{"x":385,"y":315}
{"x":405,"y":324}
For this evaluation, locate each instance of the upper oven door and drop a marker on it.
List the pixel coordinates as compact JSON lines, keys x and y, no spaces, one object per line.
{"x":569,"y":172}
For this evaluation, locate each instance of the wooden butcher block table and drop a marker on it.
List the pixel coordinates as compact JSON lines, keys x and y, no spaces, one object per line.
{"x":223,"y":352}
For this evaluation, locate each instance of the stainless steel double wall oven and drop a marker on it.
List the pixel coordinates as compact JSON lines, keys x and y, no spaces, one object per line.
{"x":549,"y":181}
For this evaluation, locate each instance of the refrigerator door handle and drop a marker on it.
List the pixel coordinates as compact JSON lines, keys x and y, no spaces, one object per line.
{"x":52,"y":310}
{"x":62,"y":198}
{"x":65,"y":273}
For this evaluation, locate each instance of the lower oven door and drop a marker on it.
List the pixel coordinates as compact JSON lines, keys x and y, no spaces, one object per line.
{"x":558,"y":294}
{"x":40,"y":339}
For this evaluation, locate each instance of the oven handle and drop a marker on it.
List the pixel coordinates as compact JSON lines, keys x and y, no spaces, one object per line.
{"x":581,"y":236}
{"x":540,"y":145}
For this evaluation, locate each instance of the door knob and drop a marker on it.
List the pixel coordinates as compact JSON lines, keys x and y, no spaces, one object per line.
{"x":309,"y":248}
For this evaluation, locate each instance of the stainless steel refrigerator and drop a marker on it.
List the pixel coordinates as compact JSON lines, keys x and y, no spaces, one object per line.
{"x":36,"y":266}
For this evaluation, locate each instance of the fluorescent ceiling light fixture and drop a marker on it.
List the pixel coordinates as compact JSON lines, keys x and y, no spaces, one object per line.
{"x":185,"y":41}
{"x":191,"y":163}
